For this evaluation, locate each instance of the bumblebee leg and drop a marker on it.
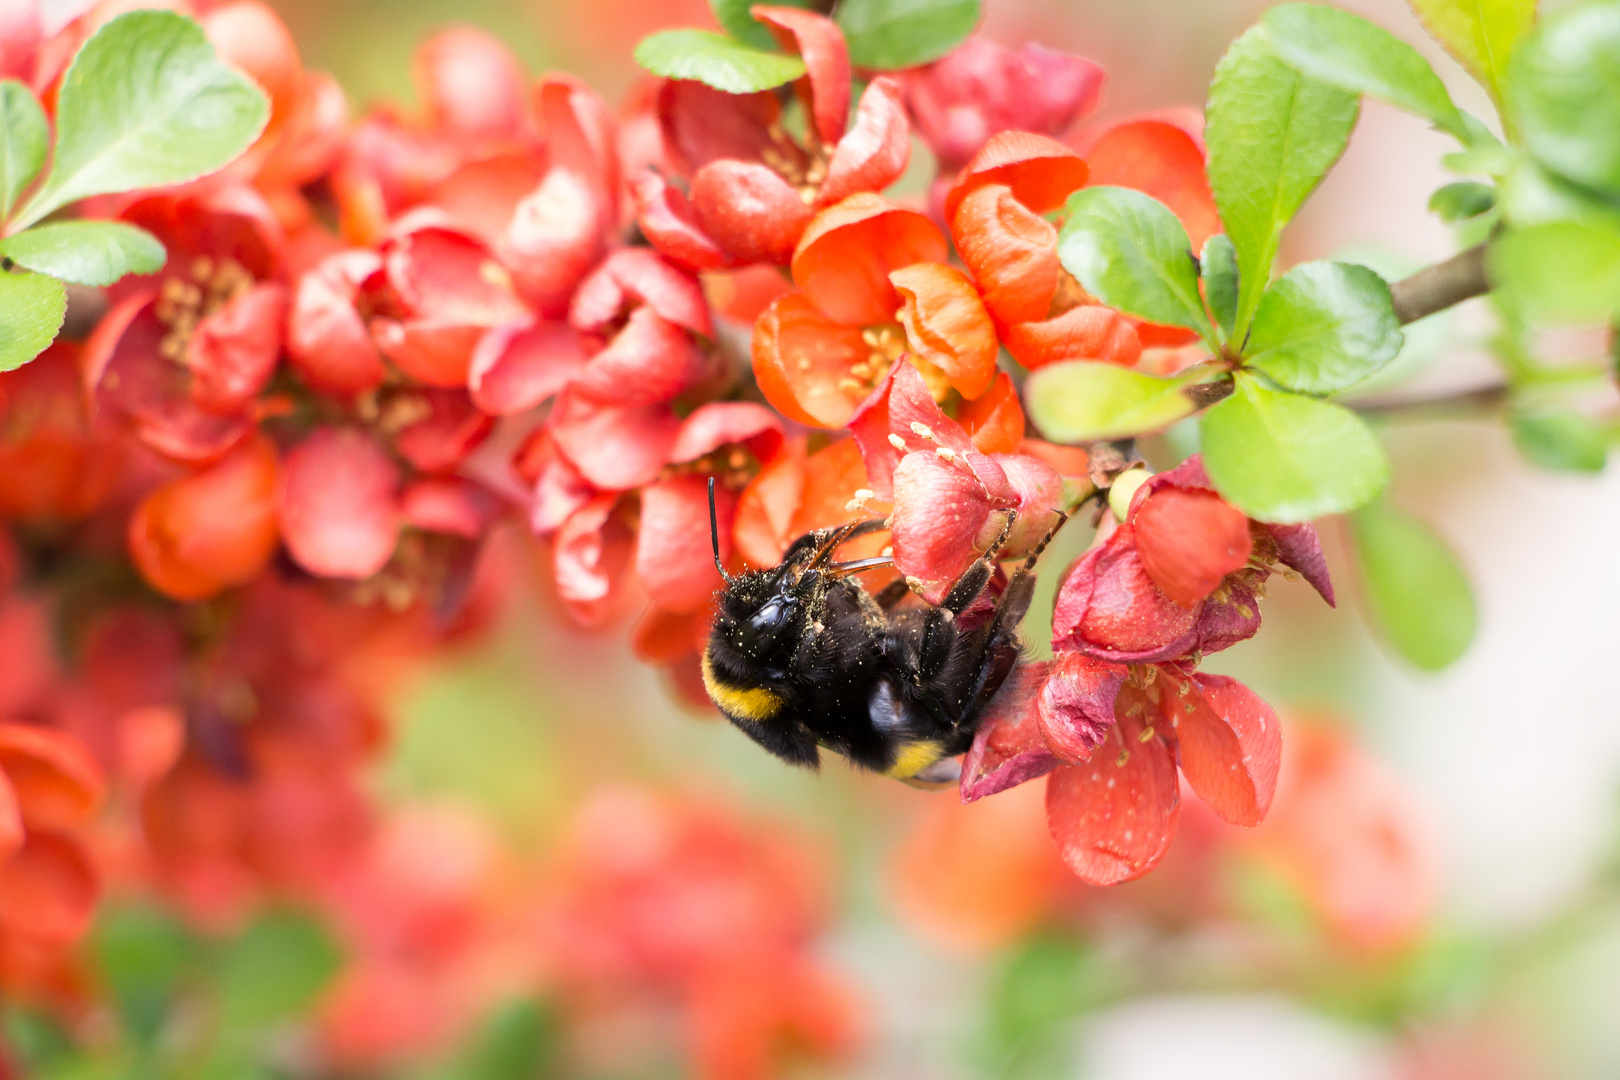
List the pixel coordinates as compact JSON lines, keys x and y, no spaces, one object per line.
{"x":939,"y":630}
{"x":892,"y":593}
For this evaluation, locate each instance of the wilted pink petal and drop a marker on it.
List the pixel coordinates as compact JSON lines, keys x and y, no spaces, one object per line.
{"x":701,"y":124}
{"x":632,"y":276}
{"x":875,"y":151}
{"x":450,"y":504}
{"x":516,"y":367}
{"x":942,"y":521}
{"x":1109,"y":608}
{"x":818,"y":40}
{"x":327,"y":340}
{"x":614,"y":447}
{"x":649,"y":360}
{"x":450,"y":431}
{"x":1075,"y":706}
{"x":339,"y":510}
{"x":1300,"y":549}
{"x":233,"y":352}
{"x":1229,"y":743}
{"x":721,"y":423}
{"x":1225,"y":620}
{"x":674,"y":558}
{"x":753,"y":214}
{"x":591,"y":552}
{"x":1114,"y":816}
{"x":983,"y":88}
{"x":1008,"y":749}
{"x":554,"y":239}
{"x":472,"y":85}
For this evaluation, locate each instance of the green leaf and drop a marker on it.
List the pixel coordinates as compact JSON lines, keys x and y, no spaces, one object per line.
{"x":1218,"y":267}
{"x":1272,"y":134}
{"x":274,"y":970}
{"x":1560,"y":439}
{"x":1481,"y":34}
{"x":517,"y":1042}
{"x":86,"y":252}
{"x":1283,"y":457}
{"x":892,"y":34}
{"x":141,"y":953}
{"x":1560,"y":272}
{"x":24,"y":137}
{"x":1563,"y":94}
{"x":734,"y":17}
{"x":32,"y":307}
{"x":1531,"y":194}
{"x":146,"y":103}
{"x":1417,"y":594}
{"x":1322,"y":327}
{"x":1353,"y":54}
{"x":716,"y":60}
{"x":1132,"y":253}
{"x":1080,"y":400}
{"x":1461,"y":201}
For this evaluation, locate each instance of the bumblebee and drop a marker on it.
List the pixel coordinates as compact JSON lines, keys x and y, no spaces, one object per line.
{"x":800,"y":657}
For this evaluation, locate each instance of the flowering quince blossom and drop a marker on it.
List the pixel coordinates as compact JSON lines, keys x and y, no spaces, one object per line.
{"x":754,"y":189}
{"x":1122,"y":708}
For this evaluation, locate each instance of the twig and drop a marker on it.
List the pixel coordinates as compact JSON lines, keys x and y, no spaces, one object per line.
{"x":1442,"y":285}
{"x":1481,"y":399}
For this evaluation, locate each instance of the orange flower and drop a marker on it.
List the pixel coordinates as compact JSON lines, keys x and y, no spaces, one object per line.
{"x":49,"y":787}
{"x":872,"y":287}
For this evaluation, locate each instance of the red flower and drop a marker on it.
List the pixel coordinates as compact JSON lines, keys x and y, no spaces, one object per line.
{"x":55,"y":465}
{"x":339,"y":504}
{"x":754,"y":189}
{"x":182,"y":356}
{"x":1180,"y":577}
{"x":49,"y":789}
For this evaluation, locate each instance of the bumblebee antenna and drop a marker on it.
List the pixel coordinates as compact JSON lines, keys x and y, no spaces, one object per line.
{"x":714,"y":534}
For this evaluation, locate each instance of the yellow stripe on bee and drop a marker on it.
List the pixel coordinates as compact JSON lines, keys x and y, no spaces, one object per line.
{"x":754,"y":704}
{"x":914,"y":758}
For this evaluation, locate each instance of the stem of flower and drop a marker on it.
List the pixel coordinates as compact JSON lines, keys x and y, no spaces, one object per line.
{"x":1441,"y":285}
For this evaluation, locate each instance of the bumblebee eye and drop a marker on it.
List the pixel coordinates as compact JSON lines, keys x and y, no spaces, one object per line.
{"x":771,"y":615}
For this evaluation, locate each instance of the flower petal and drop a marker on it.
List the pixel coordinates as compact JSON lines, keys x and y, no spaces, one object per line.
{"x":57,"y":784}
{"x":1160,"y":159}
{"x":946,"y":324}
{"x":723,"y":423}
{"x":763,"y":527}
{"x":516,"y":367}
{"x":1037,"y":491}
{"x":648,"y":361}
{"x":233,"y":352}
{"x":632,"y":276}
{"x":448,"y":504}
{"x":803,"y":361}
{"x":1011,"y":252}
{"x":472,"y":85}
{"x":590,"y":554}
{"x":1109,"y":608}
{"x":818,"y":40}
{"x":196,"y":536}
{"x":580,"y":134}
{"x":981,"y":88}
{"x":674,"y":558}
{"x":48,"y":890}
{"x":701,"y":124}
{"x":1085,"y":332}
{"x":432,"y":353}
{"x":941,"y":522}
{"x":1008,"y":748}
{"x":1225,"y":620}
{"x":1189,"y":541}
{"x":444,"y":437}
{"x":995,"y":419}
{"x":751,"y":212}
{"x":668,"y":221}
{"x":1041,"y":171}
{"x":449,"y":277}
{"x":875,"y":151}
{"x":1113,"y":817}
{"x":900,"y":409}
{"x":1229,"y":743}
{"x":327,"y":340}
{"x":1075,"y":707}
{"x":11,"y":822}
{"x":844,"y":258}
{"x":553,"y":239}
{"x":339,"y":504}
{"x":1300,"y":549}
{"x":614,"y":447}
{"x":559,"y":489}
{"x":483,"y":194}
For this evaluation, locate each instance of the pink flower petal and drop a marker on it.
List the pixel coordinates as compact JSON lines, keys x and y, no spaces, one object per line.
{"x":433,"y":353}
{"x":1113,"y":817}
{"x":233,"y":352}
{"x":750,"y":211}
{"x":518,"y":366}
{"x":590,"y":554}
{"x":1109,"y":608}
{"x":449,"y":278}
{"x":328,"y":342}
{"x":1223,"y":621}
{"x":339,"y":507}
{"x":1008,"y":749}
{"x":649,"y":360}
{"x":701,"y":124}
{"x":452,"y":429}
{"x":450,"y":504}
{"x":554,"y":238}
{"x":875,"y":151}
{"x":48,"y":890}
{"x":942,"y":521}
{"x":1229,"y":743}
{"x":674,"y":558}
{"x":900,"y":401}
{"x":1038,"y":490}
{"x":669,"y":223}
{"x":1075,"y":706}
{"x":472,"y":85}
{"x":580,"y":134}
{"x":818,"y":40}
{"x":632,"y":276}
{"x":721,"y":423}
{"x":614,"y":447}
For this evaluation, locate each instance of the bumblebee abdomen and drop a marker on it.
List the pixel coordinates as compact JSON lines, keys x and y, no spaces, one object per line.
{"x":754,"y":704}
